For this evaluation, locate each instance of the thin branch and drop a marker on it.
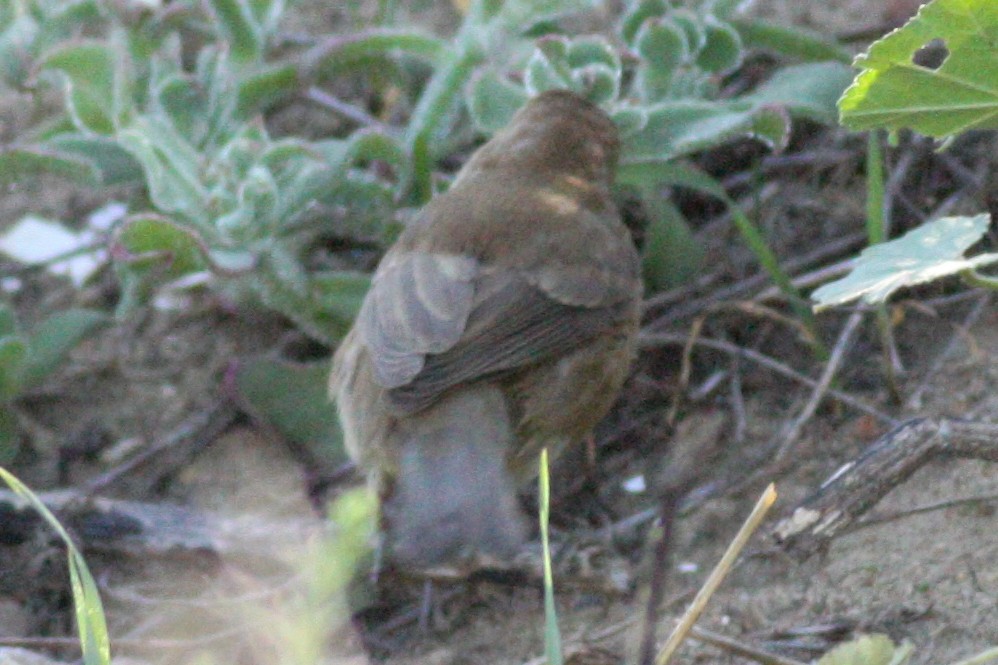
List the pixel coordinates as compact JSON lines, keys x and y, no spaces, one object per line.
{"x":654,"y":340}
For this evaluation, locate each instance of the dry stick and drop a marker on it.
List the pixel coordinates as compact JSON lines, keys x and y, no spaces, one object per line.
{"x":661,"y":566}
{"x":716,"y":576}
{"x":653,"y":340}
{"x":740,"y":648}
{"x":892,"y":459}
{"x":882,"y":518}
{"x":349,"y":111}
{"x":792,"y":433}
{"x":740,"y":289}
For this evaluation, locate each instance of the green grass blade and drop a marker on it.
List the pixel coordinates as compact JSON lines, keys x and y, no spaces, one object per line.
{"x":552,"y":636}
{"x":90,"y":621}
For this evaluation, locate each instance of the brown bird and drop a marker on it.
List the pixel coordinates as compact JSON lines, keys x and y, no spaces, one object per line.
{"x":503,"y":320}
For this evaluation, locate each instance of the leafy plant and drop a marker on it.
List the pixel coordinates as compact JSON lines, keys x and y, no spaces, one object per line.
{"x":666,"y":98}
{"x":893,"y":92}
{"x":28,"y":357}
{"x":171,"y":99}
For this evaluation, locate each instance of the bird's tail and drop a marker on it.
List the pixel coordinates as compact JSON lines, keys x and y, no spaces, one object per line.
{"x":454,"y":499}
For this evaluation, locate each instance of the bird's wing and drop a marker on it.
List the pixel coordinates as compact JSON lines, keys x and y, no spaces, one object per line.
{"x":434,"y":321}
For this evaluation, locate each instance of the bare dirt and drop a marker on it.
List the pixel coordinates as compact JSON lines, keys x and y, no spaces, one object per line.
{"x":930,"y":578}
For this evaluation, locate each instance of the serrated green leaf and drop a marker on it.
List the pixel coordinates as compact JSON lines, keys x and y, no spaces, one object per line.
{"x":865,"y":650}
{"x":893,"y":92}
{"x":924,"y":254}
{"x":53,"y":339}
{"x":13,"y":354}
{"x":293,"y":398}
{"x":492,"y":100}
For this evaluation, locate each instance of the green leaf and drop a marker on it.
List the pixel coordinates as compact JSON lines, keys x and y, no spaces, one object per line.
{"x":341,"y":51}
{"x":722,"y":50}
{"x":13,"y":352}
{"x":114,"y":165}
{"x":662,"y":46}
{"x":20,"y":163}
{"x":548,"y":67}
{"x":794,"y":42}
{"x":681,"y":127}
{"x":629,"y":119}
{"x":671,"y":255}
{"x":153,"y":244}
{"x":171,"y":166}
{"x":340,"y":294}
{"x":492,"y":100}
{"x":893,"y":92}
{"x":89,"y":71}
{"x":641,"y":11}
{"x":865,"y":650}
{"x":808,"y":91}
{"x":596,"y":69}
{"x":235,"y":22}
{"x":692,"y":25}
{"x":53,"y":339}
{"x":924,"y":254}
{"x":772,"y":126}
{"x":267,"y":87}
{"x":293,"y":398}
{"x":89,"y":610}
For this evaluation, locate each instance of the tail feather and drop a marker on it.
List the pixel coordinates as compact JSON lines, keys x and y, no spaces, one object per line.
{"x":454,"y":499}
